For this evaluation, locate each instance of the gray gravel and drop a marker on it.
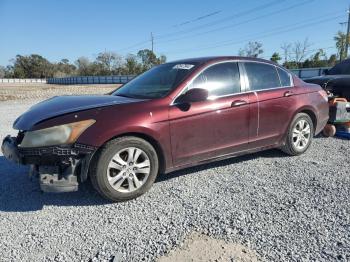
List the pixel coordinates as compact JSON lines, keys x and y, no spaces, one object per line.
{"x":284,"y":208}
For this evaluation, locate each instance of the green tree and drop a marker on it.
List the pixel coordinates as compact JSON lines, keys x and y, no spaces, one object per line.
{"x":110,"y":63}
{"x":64,"y":68}
{"x":149,"y":59}
{"x":319,"y":59}
{"x":32,"y":66}
{"x":340,"y":43}
{"x":275,"y":57}
{"x":132,"y":65}
{"x":332,"y":60}
{"x":2,"y":72}
{"x":252,"y":49}
{"x":83,"y":66}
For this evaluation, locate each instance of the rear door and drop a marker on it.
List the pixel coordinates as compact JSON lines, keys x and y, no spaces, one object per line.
{"x":272,"y":102}
{"x":213,"y":127}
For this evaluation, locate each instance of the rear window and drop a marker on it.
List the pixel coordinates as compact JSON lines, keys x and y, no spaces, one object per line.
{"x":261,"y":76}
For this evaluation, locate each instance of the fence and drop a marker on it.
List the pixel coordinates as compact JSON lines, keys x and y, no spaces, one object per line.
{"x":302,"y":73}
{"x":17,"y":80}
{"x":309,"y":72}
{"x":90,"y":80}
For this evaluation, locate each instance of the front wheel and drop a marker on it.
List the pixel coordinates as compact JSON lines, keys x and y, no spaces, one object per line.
{"x":299,"y":136}
{"x":124,"y":168}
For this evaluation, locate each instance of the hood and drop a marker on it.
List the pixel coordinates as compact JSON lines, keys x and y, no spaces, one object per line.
{"x":60,"y":105}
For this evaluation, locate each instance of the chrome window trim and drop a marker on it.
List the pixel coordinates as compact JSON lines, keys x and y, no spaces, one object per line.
{"x":201,"y":71}
{"x":291,"y":81}
{"x":243,"y":78}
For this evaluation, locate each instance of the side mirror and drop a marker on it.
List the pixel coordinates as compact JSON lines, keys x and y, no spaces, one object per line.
{"x":194,"y":95}
{"x":326,"y":71}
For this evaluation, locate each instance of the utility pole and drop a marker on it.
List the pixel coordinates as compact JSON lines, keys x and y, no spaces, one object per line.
{"x":152,"y":40}
{"x":347,"y":36}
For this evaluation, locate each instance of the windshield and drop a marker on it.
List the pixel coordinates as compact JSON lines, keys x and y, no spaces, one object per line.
{"x":342,"y":68}
{"x":156,"y":82}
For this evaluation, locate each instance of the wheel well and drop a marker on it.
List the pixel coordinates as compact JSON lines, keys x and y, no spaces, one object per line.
{"x":155,"y":145}
{"x":312,"y":116}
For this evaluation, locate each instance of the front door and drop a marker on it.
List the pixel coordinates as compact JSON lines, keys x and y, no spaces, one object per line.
{"x":214,"y":127}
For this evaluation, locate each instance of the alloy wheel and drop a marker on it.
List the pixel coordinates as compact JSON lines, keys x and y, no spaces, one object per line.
{"x":301,"y":134}
{"x":128,"y":170}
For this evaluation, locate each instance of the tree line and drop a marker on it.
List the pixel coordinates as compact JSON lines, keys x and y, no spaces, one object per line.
{"x":292,"y":55}
{"x":300,"y":54}
{"x":105,"y":63}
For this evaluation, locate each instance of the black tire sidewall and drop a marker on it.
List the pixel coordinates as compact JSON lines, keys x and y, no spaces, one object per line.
{"x":104,"y":158}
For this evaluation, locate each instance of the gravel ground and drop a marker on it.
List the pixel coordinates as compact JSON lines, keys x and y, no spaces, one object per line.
{"x":24,"y":91}
{"x":282,"y":208}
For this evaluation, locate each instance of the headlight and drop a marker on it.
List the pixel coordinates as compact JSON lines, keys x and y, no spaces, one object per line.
{"x":57,"y":135}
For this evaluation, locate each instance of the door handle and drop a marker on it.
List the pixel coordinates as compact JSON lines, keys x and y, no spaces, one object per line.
{"x":288,"y":93}
{"x":238,"y":103}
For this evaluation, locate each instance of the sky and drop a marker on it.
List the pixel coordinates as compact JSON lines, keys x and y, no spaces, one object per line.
{"x":58,"y":29}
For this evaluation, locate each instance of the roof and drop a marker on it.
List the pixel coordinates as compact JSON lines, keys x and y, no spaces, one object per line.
{"x":219,"y":58}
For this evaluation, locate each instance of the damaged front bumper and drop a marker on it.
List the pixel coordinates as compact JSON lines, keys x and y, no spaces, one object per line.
{"x":59,"y":168}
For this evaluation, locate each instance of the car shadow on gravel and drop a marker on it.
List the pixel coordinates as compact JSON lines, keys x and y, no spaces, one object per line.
{"x":272,"y":153}
{"x":19,"y":194}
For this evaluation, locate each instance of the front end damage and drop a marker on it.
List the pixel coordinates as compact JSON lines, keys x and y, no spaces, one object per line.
{"x":59,"y":168}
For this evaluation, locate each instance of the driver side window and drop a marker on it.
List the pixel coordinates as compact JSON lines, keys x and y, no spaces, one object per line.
{"x":220,"y":80}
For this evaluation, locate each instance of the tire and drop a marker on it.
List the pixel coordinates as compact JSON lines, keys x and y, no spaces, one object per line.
{"x":107,"y":179}
{"x":290,"y":147}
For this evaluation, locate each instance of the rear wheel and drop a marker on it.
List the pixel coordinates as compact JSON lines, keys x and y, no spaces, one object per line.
{"x":299,"y":136}
{"x":124,"y":168}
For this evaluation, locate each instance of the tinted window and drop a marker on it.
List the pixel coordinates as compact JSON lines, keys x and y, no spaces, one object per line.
{"x":284,"y":77}
{"x":342,"y":68}
{"x":261,"y":76}
{"x":156,"y":82}
{"x":221,"y":79}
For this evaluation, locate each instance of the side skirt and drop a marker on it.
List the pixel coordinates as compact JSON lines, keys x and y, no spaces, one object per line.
{"x":222,"y":157}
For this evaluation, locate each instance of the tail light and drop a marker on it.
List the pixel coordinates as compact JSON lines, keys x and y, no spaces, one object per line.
{"x":324,"y":94}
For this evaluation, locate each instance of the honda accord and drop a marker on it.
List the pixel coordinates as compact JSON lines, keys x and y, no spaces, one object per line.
{"x":175,"y":115}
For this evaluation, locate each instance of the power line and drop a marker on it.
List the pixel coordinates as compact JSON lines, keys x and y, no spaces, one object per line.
{"x":240,"y":23}
{"x":239,"y":14}
{"x":198,"y":18}
{"x":263,"y":35}
{"x":135,"y":45}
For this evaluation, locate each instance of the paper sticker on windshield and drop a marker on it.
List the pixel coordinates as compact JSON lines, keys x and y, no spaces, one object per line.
{"x":183,"y":66}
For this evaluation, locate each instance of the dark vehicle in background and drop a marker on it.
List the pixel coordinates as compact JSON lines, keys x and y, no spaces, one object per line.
{"x":175,"y":115}
{"x":335,"y":80}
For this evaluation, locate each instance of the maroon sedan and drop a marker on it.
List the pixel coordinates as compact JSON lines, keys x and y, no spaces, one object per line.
{"x":173,"y":116}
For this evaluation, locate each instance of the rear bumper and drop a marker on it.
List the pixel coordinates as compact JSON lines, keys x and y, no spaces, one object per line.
{"x":58,"y":167}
